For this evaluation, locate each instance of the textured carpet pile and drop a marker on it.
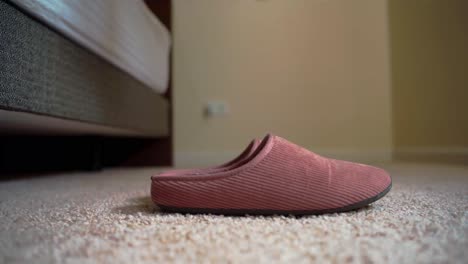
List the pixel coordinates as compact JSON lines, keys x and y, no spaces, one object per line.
{"x":108,"y":217}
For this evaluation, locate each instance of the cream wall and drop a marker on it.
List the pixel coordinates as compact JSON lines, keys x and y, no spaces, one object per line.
{"x":429,"y":40}
{"x":313,"y":71}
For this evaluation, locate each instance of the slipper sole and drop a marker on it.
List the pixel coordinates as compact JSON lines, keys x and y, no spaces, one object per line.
{"x":240,"y":212}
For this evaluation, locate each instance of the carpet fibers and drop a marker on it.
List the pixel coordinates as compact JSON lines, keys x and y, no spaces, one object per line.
{"x":108,"y":217}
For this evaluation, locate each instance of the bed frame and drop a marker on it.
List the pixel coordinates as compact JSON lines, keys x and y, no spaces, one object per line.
{"x":62,"y":107}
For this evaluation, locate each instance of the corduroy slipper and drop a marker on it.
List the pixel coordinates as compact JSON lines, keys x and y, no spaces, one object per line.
{"x":278,"y":178}
{"x":245,"y":155}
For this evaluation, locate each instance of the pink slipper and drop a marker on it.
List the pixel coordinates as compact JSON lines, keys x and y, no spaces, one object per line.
{"x":278,"y":178}
{"x":248,"y":151}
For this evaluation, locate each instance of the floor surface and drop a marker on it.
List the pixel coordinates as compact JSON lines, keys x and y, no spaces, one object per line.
{"x":108,"y":217}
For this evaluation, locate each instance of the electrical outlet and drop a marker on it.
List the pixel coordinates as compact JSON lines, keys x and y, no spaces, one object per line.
{"x":216,"y":109}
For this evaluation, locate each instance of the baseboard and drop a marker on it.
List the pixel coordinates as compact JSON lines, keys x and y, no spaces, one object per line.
{"x":432,"y":154}
{"x":194,"y":159}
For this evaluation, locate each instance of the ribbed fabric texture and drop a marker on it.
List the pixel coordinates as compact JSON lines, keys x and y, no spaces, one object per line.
{"x":245,"y":155}
{"x":282,"y":176}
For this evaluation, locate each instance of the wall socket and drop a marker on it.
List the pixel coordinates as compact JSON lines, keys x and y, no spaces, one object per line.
{"x":216,"y":109}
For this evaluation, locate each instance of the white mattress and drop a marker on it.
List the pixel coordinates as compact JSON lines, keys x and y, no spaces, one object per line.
{"x":125,"y":32}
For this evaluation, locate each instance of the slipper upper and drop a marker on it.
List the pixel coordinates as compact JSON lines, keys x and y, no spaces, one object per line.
{"x":281,"y":176}
{"x":246,"y":153}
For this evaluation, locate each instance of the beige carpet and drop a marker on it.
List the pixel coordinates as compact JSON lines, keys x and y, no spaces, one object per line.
{"x":108,"y":217}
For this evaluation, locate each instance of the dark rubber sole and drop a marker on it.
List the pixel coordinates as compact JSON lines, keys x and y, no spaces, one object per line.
{"x":347,"y":208}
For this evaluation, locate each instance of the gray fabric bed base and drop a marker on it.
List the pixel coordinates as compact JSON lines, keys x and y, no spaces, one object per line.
{"x":43,"y":72}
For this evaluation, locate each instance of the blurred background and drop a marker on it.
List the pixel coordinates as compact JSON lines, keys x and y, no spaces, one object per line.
{"x":364,"y":80}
